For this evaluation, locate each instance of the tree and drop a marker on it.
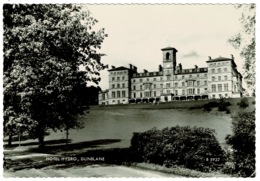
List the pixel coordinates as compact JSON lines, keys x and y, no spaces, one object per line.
{"x":245,"y":42}
{"x":44,"y":45}
{"x":242,"y":141}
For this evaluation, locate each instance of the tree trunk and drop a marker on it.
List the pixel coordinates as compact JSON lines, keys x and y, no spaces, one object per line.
{"x":41,"y":141}
{"x":10,"y":138}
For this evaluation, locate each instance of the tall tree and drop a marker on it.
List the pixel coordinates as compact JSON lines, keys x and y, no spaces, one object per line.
{"x":44,"y":45}
{"x":245,"y":42}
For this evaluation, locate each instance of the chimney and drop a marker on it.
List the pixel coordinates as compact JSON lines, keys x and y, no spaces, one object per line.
{"x":232,"y":57}
{"x":209,"y":57}
{"x":180,"y":66}
{"x":196,"y":67}
{"x":135,"y":68}
{"x":145,"y":71}
{"x":160,"y":68}
{"x":112,"y":66}
{"x":131,"y":66}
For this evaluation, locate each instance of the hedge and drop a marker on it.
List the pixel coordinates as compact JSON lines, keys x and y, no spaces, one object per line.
{"x":195,"y":148}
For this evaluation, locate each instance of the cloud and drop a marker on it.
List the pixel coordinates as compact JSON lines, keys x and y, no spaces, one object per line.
{"x":191,"y":54}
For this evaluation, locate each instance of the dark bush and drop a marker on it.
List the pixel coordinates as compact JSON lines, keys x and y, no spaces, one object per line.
{"x":227,"y":111}
{"x":195,"y":148}
{"x":243,"y":143}
{"x":243,"y":103}
{"x":221,"y":105}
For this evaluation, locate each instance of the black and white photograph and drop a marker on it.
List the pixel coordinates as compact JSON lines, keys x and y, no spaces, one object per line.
{"x":129,"y":90}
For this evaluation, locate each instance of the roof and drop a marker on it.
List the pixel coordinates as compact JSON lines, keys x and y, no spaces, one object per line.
{"x":193,"y":71}
{"x":119,"y":68}
{"x":219,"y":59}
{"x":169,"y":48}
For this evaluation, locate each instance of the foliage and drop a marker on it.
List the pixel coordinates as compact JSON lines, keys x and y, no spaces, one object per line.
{"x":44,"y":45}
{"x":245,"y":42}
{"x":243,"y":143}
{"x":221,"y":105}
{"x":243,"y":103}
{"x":184,"y":146}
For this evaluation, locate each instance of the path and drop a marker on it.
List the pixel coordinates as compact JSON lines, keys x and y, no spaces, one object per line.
{"x":89,"y":171}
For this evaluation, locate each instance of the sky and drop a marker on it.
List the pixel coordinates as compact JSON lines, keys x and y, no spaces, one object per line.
{"x":137,"y":33}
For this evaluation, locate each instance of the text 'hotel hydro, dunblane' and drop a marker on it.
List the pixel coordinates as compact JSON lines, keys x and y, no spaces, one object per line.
{"x":173,"y":83}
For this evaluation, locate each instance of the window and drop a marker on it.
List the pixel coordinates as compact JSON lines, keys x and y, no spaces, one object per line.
{"x":168,"y":91}
{"x":225,"y":69}
{"x":161,"y":78}
{"x":205,"y":82}
{"x":147,"y":79}
{"x":205,"y":75}
{"x":213,"y":95}
{"x":113,"y":94}
{"x":235,"y":88}
{"x":213,"y":79}
{"x":118,"y":93}
{"x":141,"y":80}
{"x":161,"y":85}
{"x":168,"y":85}
{"x":118,"y":78}
{"x":176,"y":84}
{"x":198,"y":91}
{"x":154,"y":79}
{"x":134,"y":95}
{"x":113,"y":86}
{"x":141,"y":94}
{"x":123,"y":78}
{"x":147,"y":94}
{"x":123,"y":93}
{"x":190,"y":83}
{"x":103,"y":96}
{"x":134,"y":87}
{"x":226,"y":95}
{"x":183,"y":92}
{"x":219,"y":78}
{"x":154,"y":93}
{"x":118,"y":85}
{"x":154,"y":86}
{"x":113,"y":78}
{"x":219,"y":87}
{"x":123,"y":85}
{"x":198,"y":83}
{"x":168,"y":78}
{"x":225,"y":77}
{"x":176,"y":92}
{"x":183,"y":77}
{"x":213,"y":71}
{"x":226,"y":87}
{"x":198,"y":75}
{"x":183,"y":84}
{"x":219,"y":70}
{"x":220,"y":96}
{"x":213,"y":87}
{"x":191,"y":91}
{"x":167,"y":56}
{"x":147,"y":86}
{"x":168,"y":72}
{"x":141,"y":87}
{"x":190,"y":76}
{"x":133,"y":80}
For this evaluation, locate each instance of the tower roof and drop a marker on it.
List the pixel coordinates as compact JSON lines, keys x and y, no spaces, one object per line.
{"x":169,"y":48}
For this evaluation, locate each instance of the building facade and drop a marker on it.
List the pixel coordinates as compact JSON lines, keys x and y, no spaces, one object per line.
{"x":220,"y":79}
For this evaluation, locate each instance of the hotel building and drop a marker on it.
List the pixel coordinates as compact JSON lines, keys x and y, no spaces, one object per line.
{"x":220,"y":79}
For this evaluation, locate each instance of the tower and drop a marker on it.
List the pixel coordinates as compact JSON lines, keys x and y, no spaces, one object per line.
{"x":169,"y":67}
{"x":169,"y":60}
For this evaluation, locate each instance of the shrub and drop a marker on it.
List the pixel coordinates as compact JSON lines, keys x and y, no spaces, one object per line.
{"x":243,"y":143}
{"x":195,"y":148}
{"x":222,"y":106}
{"x":227,"y":111}
{"x":243,"y":103}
